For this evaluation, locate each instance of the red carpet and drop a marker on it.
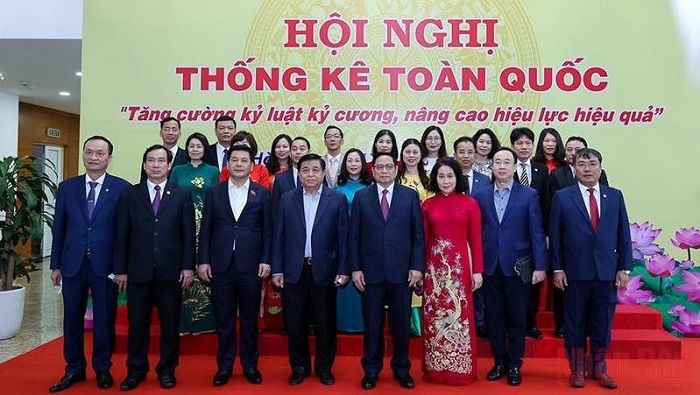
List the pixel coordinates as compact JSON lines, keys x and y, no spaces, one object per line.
{"x":637,"y":334}
{"x":34,"y":372}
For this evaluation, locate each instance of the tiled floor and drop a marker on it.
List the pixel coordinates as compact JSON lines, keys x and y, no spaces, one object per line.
{"x":43,"y":316}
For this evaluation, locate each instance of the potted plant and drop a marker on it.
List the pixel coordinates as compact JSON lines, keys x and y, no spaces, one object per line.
{"x":23,"y":193}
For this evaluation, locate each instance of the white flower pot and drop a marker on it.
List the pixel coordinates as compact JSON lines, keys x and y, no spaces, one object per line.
{"x":11,"y":311}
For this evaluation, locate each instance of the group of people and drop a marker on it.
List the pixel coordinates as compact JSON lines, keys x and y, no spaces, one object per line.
{"x":447,"y":247}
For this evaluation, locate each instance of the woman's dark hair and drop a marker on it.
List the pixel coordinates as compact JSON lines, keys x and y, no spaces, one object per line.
{"x":461,"y":186}
{"x":273,"y":164}
{"x":559,"y":152}
{"x":242,"y":135}
{"x":344,"y":174}
{"x":394,"y":149}
{"x":202,"y":139}
{"x":422,"y":175}
{"x":495,"y":144}
{"x":442,"y":151}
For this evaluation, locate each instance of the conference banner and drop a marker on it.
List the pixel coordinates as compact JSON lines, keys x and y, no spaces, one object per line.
{"x":624,"y":75}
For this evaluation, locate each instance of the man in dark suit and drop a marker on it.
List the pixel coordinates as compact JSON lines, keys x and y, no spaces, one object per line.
{"x":561,"y":178}
{"x":225,"y":129}
{"x":387,"y":253}
{"x":534,"y":175}
{"x":154,"y":250}
{"x":81,"y":258}
{"x":309,"y":264}
{"x":234,"y":253}
{"x":465,"y":154}
{"x":289,"y":179}
{"x":512,"y":224}
{"x":170,"y":134}
{"x":591,"y":257}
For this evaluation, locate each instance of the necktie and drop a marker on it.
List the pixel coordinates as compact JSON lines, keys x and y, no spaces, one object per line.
{"x":298,"y":182}
{"x":385,"y":204}
{"x":224,"y":159}
{"x":91,"y":198}
{"x":523,"y":176}
{"x":595,"y":217}
{"x":156,"y":200}
{"x":469,"y":192}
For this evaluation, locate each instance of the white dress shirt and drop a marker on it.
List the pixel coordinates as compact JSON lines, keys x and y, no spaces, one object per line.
{"x":389,"y":194}
{"x":585,"y":195}
{"x":100,"y":181}
{"x":238,"y":197}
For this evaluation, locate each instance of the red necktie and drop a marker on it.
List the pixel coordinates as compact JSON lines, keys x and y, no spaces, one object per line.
{"x":595,"y":217}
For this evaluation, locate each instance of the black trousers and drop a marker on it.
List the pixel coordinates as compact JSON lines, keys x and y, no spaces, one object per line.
{"x":506,"y":301}
{"x":166,"y":296}
{"x":296,"y":299}
{"x":234,"y":292}
{"x":398,"y":298}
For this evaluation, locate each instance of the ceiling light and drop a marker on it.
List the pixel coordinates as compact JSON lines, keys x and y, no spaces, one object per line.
{"x":64,"y":93}
{"x":79,"y":73}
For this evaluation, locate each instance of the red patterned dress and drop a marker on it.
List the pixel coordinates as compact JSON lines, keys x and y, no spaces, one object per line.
{"x":451,"y":223}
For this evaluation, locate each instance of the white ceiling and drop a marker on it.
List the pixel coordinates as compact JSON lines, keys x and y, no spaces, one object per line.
{"x":37,"y":69}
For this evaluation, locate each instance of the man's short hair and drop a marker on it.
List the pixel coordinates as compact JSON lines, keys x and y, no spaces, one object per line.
{"x":157,"y":147}
{"x":588,"y":153}
{"x":168,"y":119}
{"x":517,"y":133}
{"x":110,"y":147}
{"x":224,"y":118}
{"x":245,"y":148}
{"x":333,"y":127}
{"x":310,"y":157}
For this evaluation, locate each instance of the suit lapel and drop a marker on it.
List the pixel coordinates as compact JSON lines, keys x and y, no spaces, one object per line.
{"x":145,"y":197}
{"x":224,"y":194}
{"x":101,"y":198}
{"x":579,"y":203}
{"x":374,"y":202}
{"x":165,"y":197}
{"x":322,"y":205}
{"x":398,"y":196}
{"x":299,"y":206}
{"x":252,"y":196}
{"x":514,"y":194}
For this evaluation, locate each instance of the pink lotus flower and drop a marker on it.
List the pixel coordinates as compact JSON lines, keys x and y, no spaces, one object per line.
{"x":691,"y":286}
{"x":643,"y":237}
{"x":661,"y":266}
{"x":633,"y":294}
{"x":687,"y":264}
{"x":687,"y":238}
{"x":688,"y":322}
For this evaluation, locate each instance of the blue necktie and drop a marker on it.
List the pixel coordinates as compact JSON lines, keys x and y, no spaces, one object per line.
{"x":91,"y":198}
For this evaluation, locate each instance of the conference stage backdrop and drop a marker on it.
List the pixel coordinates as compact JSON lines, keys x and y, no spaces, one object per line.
{"x":623,"y":74}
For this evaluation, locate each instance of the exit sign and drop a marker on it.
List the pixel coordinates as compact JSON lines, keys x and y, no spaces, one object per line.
{"x":53,"y":132}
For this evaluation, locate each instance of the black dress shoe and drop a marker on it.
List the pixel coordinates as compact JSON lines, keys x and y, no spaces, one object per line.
{"x":221,"y":378}
{"x":326,"y":378}
{"x":559,"y":332}
{"x":130,"y":383}
{"x":253,"y":375}
{"x":514,"y":377}
{"x":297,"y":376}
{"x":496,"y":372}
{"x":369,"y":381}
{"x":481,"y":332}
{"x":167,"y":381}
{"x":67,"y":380}
{"x":535,"y":333}
{"x":405,"y":380}
{"x":104,"y":380}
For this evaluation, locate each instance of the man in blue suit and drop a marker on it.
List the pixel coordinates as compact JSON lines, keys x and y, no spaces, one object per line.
{"x":465,"y":154}
{"x":309,"y":264}
{"x":81,"y":258}
{"x":387,"y":253}
{"x":512,"y":229}
{"x":234,"y":254}
{"x":591,"y":257}
{"x":289,"y":179}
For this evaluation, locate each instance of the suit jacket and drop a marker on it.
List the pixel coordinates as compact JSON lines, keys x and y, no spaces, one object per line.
{"x":519,"y":233}
{"x":385,"y":250}
{"x":539,"y":181}
{"x":284,"y":182}
{"x":252,"y":232}
{"x":150,"y":246}
{"x":328,"y":237}
{"x":480,"y":182}
{"x":180,"y":158}
{"x":577,"y":249}
{"x":563,"y":177}
{"x":74,"y":233}
{"x":213,"y":157}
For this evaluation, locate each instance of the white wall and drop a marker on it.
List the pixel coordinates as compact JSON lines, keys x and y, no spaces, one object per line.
{"x":41,"y":19}
{"x":9,"y":124}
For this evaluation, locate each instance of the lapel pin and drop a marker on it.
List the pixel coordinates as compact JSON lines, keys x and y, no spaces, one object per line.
{"x":605,"y":196}
{"x":107,"y":190}
{"x":167,"y":192}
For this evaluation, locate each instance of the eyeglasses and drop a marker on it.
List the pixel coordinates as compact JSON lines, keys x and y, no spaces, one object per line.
{"x":389,"y":167}
{"x":433,"y":139}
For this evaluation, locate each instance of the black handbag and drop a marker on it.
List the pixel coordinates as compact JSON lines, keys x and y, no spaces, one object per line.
{"x":524,"y":267}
